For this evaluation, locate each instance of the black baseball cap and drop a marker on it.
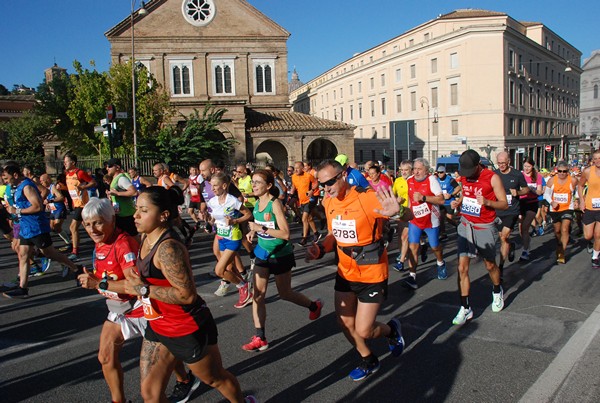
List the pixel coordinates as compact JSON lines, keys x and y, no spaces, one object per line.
{"x":468,"y":163}
{"x":113,"y":161}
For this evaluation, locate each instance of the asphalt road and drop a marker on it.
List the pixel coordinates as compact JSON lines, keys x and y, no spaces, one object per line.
{"x":543,"y":346}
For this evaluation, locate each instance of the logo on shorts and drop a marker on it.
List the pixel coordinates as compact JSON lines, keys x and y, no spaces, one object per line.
{"x":373,"y":294}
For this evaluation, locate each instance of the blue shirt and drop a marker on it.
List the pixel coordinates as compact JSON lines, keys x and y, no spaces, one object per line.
{"x":31,"y":224}
{"x":448,"y":184}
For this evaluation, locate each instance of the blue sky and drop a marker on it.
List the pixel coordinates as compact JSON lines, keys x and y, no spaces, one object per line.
{"x":37,"y":33}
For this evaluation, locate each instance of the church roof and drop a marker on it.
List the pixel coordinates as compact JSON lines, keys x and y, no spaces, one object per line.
{"x":470,"y":13}
{"x":285,"y":121}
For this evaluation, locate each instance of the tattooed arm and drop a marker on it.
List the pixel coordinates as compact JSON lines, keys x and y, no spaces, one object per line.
{"x":172,"y":259}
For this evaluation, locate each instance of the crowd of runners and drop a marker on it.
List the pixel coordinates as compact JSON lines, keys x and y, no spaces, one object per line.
{"x":142,"y":266}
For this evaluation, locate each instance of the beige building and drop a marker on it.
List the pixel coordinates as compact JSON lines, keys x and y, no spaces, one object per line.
{"x":470,"y":78}
{"x":228,"y":54}
{"x":589,"y":124}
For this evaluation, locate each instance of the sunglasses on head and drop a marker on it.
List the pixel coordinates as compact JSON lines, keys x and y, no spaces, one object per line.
{"x":562,"y":171}
{"x":331,"y":181}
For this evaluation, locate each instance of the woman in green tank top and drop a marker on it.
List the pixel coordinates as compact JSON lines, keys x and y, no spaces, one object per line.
{"x":274,"y":255}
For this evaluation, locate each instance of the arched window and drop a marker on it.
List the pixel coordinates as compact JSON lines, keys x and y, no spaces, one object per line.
{"x":263,"y":76}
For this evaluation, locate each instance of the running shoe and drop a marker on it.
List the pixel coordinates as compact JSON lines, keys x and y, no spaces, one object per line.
{"x":73,"y":257}
{"x":303,"y":242}
{"x":65,"y":271}
{"x":316,"y":314}
{"x":20,"y":293}
{"x":399,"y":266}
{"x":590,"y":247}
{"x":256,"y":344}
{"x":442,"y":274}
{"x":183,"y":390}
{"x":45,"y":264}
{"x":396,"y":344}
{"x":424,"y":247}
{"x":497,"y":300}
{"x":317,"y":237}
{"x":524,"y":256}
{"x":463,"y":315}
{"x":399,"y":258}
{"x":11,"y":284}
{"x":245,"y":297}
{"x":540,"y":230}
{"x":35,"y":270}
{"x":64,"y":248}
{"x":363,"y":370}
{"x":410,"y":282}
{"x":560,"y":257}
{"x":223,"y":289}
{"x":596,"y":263}
{"x":511,"y":251}
{"x":250,"y":399}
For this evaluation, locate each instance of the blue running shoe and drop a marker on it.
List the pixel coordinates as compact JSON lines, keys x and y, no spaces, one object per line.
{"x":35,"y":270}
{"x":396,"y":343}
{"x":363,"y":370}
{"x":399,"y":266}
{"x":441,"y":272}
{"x":540,"y":230}
{"x":45,"y":264}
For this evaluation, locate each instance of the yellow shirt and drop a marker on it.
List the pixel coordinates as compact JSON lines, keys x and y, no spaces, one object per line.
{"x":400,"y":188}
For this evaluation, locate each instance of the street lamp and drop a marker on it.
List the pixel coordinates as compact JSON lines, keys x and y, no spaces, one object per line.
{"x":425,"y":101}
{"x":141,"y":11}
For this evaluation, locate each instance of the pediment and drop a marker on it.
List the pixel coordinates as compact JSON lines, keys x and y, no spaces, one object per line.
{"x":232,"y":19}
{"x":593,"y":61}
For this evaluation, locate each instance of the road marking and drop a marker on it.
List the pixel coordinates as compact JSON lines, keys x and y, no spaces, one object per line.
{"x":553,"y":377}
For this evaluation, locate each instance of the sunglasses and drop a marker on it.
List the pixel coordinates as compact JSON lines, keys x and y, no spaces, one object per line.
{"x":331,"y":181}
{"x":110,"y":166}
{"x":561,"y":171}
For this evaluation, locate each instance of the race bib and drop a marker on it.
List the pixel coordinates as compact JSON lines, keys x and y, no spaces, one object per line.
{"x":268,"y":224}
{"x":509,"y":199}
{"x":596,"y":202}
{"x":51,"y":207}
{"x":470,"y":207}
{"x":223,"y":230}
{"x":194,"y":191}
{"x":73,"y":193}
{"x":149,"y":312}
{"x":561,"y":198}
{"x":421,"y":210}
{"x":344,"y":231}
{"x":110,"y":295}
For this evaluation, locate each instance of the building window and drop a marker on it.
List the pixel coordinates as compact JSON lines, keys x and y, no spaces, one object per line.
{"x":454,"y":123}
{"x":520,"y":128}
{"x":372,"y":82}
{"x":413,"y":71}
{"x":223,"y":76}
{"x":434,"y":65}
{"x":434,"y":97}
{"x":453,"y":94}
{"x":373,"y":135}
{"x":198,"y":12}
{"x":398,"y":75}
{"x":511,"y":126}
{"x":351,"y":112}
{"x":411,"y":42}
{"x":341,"y":93}
{"x":372,"y":108}
{"x":511,"y":58}
{"x":341,"y":114}
{"x":334,"y":95}
{"x":360,"y":110}
{"x":531,"y":97}
{"x":521,"y":95}
{"x":181,"y":78}
{"x":383,"y":106}
{"x":511,"y":92}
{"x":383,"y":80}
{"x":264,"y":74}
{"x":426,"y":37}
{"x":360,"y":133}
{"x":596,"y":91}
{"x":350,"y":89}
{"x":435,"y":129}
{"x":454,"y":60}
{"x":413,"y":101}
{"x":398,"y":103}
{"x":359,"y":87}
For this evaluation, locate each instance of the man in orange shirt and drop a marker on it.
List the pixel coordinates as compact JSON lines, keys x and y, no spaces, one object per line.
{"x":304,"y":183}
{"x":353,"y":218}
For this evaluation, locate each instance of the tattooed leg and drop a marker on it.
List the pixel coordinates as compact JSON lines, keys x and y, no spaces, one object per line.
{"x":156,"y":365}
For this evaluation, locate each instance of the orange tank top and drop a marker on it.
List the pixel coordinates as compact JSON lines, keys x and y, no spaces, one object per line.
{"x":592,"y":199}
{"x":562,"y":194}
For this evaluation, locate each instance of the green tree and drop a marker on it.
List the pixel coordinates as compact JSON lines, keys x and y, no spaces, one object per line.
{"x":53,"y":99}
{"x":198,"y":139}
{"x":23,"y":139}
{"x":4,"y":90}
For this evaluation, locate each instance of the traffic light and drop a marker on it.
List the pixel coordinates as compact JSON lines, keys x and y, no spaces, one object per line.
{"x":116,"y":136}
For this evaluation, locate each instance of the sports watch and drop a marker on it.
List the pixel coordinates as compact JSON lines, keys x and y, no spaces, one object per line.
{"x":145,"y":290}
{"x":103,"y":284}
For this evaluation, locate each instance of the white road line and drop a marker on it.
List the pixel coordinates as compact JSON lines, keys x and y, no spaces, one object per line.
{"x":553,"y":377}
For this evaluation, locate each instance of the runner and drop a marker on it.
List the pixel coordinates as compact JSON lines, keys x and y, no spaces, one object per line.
{"x":450,"y":189}
{"x":559,"y":195}
{"x":78,"y":182}
{"x":377,"y":180}
{"x":193,"y":187}
{"x":590,"y":205}
{"x":139,"y":182}
{"x":304,"y":183}
{"x":424,"y":197}
{"x":400,"y":190}
{"x":34,"y":228}
{"x":181,"y":326}
{"x":515,"y":186}
{"x":275,"y":255}
{"x":362,"y":270}
{"x":482,"y":194}
{"x":122,"y":193}
{"x":55,"y":205}
{"x":227,"y":214}
{"x":529,"y":204}
{"x":353,"y":176}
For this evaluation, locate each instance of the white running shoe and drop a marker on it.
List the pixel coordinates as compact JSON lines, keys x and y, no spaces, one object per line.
{"x":497,"y":301}
{"x":463,"y":316}
{"x":223,"y":289}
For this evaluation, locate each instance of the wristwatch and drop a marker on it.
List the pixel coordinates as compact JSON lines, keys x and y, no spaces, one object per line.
{"x":103,"y":284}
{"x":424,"y":198}
{"x":145,"y":290}
{"x":265,"y":229}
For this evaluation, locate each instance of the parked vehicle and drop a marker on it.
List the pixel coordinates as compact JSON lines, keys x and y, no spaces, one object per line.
{"x":451,"y":162}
